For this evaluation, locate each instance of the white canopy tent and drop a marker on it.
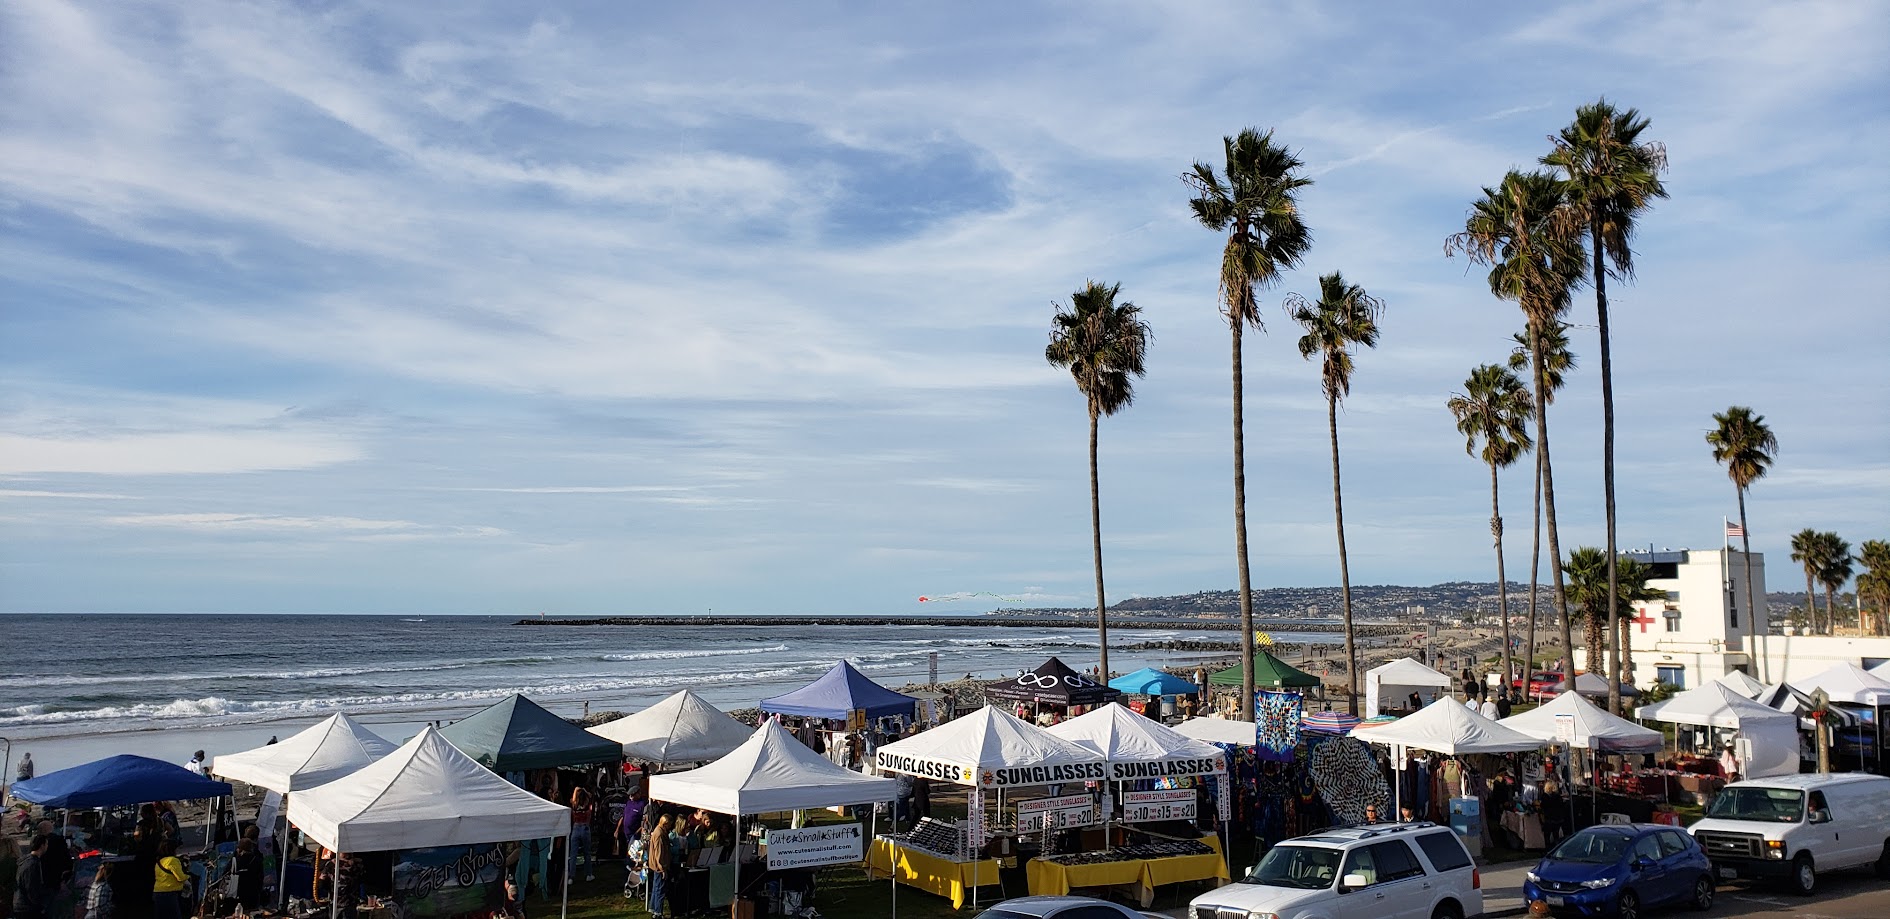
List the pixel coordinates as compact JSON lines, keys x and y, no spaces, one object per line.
{"x":1742,"y":683}
{"x":1767,"y":739}
{"x":333,"y":747}
{"x":1882,"y":670}
{"x":1573,"y":720}
{"x":683,"y":728}
{"x":426,"y":793}
{"x":1127,"y":742}
{"x":1447,"y":727}
{"x":771,"y":771}
{"x":1847,"y":683}
{"x":1398,"y":680}
{"x":1219,"y":730}
{"x":1785,"y":698}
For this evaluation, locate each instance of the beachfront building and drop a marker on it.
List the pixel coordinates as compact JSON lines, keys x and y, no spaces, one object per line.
{"x":1698,"y":633}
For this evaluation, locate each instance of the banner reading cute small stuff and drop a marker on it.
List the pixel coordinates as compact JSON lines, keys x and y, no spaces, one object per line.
{"x":815,"y":845}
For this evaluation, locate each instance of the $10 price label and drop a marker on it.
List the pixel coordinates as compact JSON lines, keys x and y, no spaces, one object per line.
{"x":1153,"y":806}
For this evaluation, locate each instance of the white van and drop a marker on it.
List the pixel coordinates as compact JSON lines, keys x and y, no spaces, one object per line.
{"x":1791,"y":827}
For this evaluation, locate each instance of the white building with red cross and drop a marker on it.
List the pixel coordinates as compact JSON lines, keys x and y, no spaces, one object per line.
{"x":1698,"y":633}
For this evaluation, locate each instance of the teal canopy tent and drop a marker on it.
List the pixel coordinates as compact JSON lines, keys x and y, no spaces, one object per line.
{"x":518,"y":734}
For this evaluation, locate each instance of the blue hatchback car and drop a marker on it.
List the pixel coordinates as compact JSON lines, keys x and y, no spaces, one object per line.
{"x":1619,"y":871}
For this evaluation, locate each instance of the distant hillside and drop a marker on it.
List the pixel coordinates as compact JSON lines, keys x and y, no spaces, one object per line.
{"x":1449,"y":600}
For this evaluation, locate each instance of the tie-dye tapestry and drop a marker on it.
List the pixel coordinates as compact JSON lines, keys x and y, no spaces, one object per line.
{"x":1277,"y":723}
{"x":1349,"y":780}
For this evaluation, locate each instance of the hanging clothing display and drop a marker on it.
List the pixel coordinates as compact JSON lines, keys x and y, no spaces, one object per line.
{"x":1277,"y":715}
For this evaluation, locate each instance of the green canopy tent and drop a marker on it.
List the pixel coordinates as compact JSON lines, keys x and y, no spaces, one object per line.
{"x":1269,"y":672}
{"x":516,"y":734}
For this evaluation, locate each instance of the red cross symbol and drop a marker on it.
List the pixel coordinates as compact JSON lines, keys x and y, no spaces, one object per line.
{"x":1644,"y":619}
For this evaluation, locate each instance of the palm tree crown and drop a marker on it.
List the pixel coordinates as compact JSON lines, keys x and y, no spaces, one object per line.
{"x":1610,"y":177}
{"x":1835,"y":567}
{"x":1515,"y":229}
{"x":1494,"y":410}
{"x":1743,"y":444}
{"x":1102,"y":343}
{"x":1557,"y":363}
{"x":1256,"y":205}
{"x":1807,"y":550}
{"x":1344,"y":316}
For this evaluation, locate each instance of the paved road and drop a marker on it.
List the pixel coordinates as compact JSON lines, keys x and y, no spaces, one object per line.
{"x":1857,"y":894}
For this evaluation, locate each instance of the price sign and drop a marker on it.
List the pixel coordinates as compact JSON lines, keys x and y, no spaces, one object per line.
{"x":1056,"y":813}
{"x":1154,"y":806}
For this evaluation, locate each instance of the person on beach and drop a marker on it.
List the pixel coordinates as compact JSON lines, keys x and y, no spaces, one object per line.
{"x":248,"y":865}
{"x":196,"y":764}
{"x":26,"y":769}
{"x":167,"y":883}
{"x":98,"y":899}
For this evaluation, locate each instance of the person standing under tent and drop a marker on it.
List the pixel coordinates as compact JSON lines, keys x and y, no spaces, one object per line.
{"x":98,"y":899}
{"x":1729,"y":763}
{"x":248,"y":865}
{"x":579,"y":845}
{"x":30,"y":896}
{"x":660,"y":855}
{"x":167,"y":883}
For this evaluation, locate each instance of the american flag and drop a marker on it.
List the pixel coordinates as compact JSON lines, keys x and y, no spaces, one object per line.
{"x":1733,"y":529}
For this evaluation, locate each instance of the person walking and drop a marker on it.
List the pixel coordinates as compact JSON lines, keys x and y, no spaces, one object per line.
{"x":167,"y":883}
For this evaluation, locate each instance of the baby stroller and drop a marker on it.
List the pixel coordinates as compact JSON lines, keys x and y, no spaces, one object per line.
{"x":636,"y":869}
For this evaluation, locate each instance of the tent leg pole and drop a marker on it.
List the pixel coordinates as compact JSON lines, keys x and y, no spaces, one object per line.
{"x":738,"y":855}
{"x":334,"y":886}
{"x":564,"y":902}
{"x":282,"y":860}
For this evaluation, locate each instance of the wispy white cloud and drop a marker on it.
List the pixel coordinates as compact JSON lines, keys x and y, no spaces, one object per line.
{"x":356,"y":528}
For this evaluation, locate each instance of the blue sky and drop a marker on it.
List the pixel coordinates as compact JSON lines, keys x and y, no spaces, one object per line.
{"x":594,"y":308}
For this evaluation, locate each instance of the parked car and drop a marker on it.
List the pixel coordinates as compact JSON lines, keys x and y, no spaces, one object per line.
{"x":1542,"y":683}
{"x":1791,"y":827}
{"x":1621,"y":870}
{"x":1062,"y":908}
{"x":1383,"y":871}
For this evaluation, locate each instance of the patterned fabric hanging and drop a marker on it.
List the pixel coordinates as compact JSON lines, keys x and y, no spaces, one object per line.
{"x":1349,"y":779}
{"x":1277,"y":717}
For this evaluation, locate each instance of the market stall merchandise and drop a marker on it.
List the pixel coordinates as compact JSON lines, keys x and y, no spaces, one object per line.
{"x":1140,"y":868}
{"x":1390,"y":685}
{"x":683,"y":728}
{"x":839,"y":693}
{"x":1766,"y":738}
{"x":517,"y":734}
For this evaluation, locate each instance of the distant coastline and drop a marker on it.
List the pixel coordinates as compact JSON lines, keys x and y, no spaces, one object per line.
{"x":994,"y":620}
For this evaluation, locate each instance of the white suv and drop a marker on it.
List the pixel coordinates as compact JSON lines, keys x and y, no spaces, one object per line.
{"x":1384,"y":871}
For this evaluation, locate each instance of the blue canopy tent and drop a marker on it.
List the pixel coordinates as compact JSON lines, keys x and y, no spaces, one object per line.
{"x":840,"y":692}
{"x":118,"y":781}
{"x":1151,"y":682}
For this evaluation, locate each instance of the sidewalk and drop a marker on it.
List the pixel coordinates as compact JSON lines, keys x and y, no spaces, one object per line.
{"x":1502,"y":888}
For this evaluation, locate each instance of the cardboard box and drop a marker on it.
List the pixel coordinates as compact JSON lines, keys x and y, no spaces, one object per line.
{"x":743,"y":909}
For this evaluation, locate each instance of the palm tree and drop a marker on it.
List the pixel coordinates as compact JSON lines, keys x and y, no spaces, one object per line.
{"x":1805,"y":551}
{"x":1495,"y":408}
{"x":1512,"y":229}
{"x":1836,"y":568}
{"x":1610,"y":177}
{"x":1744,"y":445}
{"x":1102,"y":343}
{"x":1587,"y":574}
{"x":1256,"y":204}
{"x":1558,"y":363}
{"x":1344,"y":316}
{"x":1875,"y":581}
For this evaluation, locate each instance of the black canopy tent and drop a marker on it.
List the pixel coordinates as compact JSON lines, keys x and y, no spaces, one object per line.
{"x":1052,"y":683}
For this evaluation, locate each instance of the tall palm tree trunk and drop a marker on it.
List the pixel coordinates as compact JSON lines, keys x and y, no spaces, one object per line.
{"x":1830,"y":608}
{"x":1345,"y":574}
{"x":1095,"y":531}
{"x":1627,"y":657}
{"x":1535,"y":564}
{"x":1559,"y":595}
{"x":1752,"y":612}
{"x":1502,"y":580}
{"x":1811,"y":602}
{"x":1607,"y":468}
{"x":1240,"y":541}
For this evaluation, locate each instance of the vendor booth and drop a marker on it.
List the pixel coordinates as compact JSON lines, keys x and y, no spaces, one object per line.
{"x":993,"y":753}
{"x":1053,"y":684}
{"x":1390,"y":686}
{"x":1269,"y":672}
{"x":1765,"y":739}
{"x":518,"y":734}
{"x":334,"y":747}
{"x":1574,"y":721}
{"x":421,"y":798}
{"x":1154,"y":771}
{"x":1742,"y":683}
{"x":839,"y":693}
{"x":1448,"y":727}
{"x":1161,"y":688}
{"x":683,"y":728}
{"x":771,"y":772}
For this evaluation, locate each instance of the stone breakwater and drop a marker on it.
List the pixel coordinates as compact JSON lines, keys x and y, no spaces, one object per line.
{"x":1015,"y":622}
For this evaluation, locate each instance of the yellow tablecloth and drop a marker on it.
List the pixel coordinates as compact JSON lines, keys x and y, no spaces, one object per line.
{"x":928,"y":872}
{"x":1048,"y":878}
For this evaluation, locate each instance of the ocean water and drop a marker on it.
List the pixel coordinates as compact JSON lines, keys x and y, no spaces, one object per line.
{"x":77,"y":686}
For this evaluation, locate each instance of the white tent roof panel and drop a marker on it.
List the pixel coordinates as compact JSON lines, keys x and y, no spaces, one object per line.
{"x":333,"y":747}
{"x":769,"y":772}
{"x":683,"y":728}
{"x":1447,"y":727}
